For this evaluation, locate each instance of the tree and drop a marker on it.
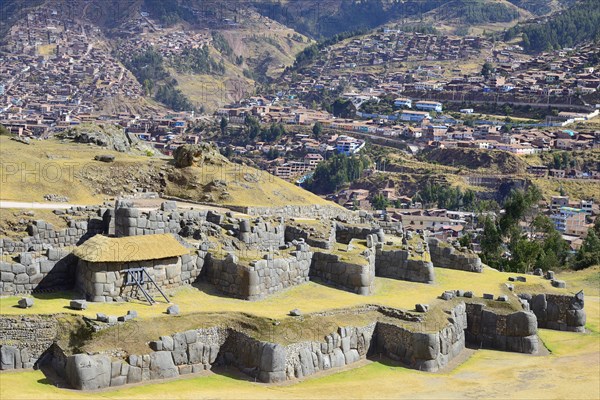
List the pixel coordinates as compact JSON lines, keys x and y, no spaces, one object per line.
{"x":589,"y":253}
{"x":487,"y":69}
{"x":317,"y":129}
{"x":223,"y":125}
{"x":379,"y":202}
{"x":343,"y":108}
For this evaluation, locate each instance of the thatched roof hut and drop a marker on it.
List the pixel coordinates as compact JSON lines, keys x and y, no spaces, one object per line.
{"x":102,"y":249}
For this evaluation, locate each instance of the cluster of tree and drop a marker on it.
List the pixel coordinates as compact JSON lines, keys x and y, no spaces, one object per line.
{"x":221,"y":44}
{"x":337,"y":171}
{"x":521,"y":239}
{"x":168,"y":12}
{"x":148,"y":68}
{"x":385,"y":106}
{"x":419,"y":27}
{"x":577,"y":24}
{"x":589,"y":253}
{"x":478,"y":12}
{"x":448,"y":197}
{"x":310,"y":53}
{"x":271,"y":133}
{"x":343,"y":108}
{"x":147,"y":65}
{"x":562,"y":160}
{"x":172,"y":97}
{"x":198,"y":61}
{"x":4,"y":131}
{"x":320,"y":20}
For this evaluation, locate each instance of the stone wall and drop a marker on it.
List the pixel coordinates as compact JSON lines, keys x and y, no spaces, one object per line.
{"x":516,"y":332}
{"x":444,"y":255}
{"x":424,"y":351}
{"x":397,"y":264}
{"x":344,"y":233}
{"x":23,"y":339}
{"x":43,"y":235}
{"x":261,"y":277}
{"x":357,"y":277}
{"x":305,"y":211}
{"x":131,"y":221}
{"x":105,"y":281}
{"x":262,"y":234}
{"x":344,"y":347}
{"x":558,"y":312}
{"x":35,"y":272}
{"x":392,"y":227}
{"x":297,"y":233}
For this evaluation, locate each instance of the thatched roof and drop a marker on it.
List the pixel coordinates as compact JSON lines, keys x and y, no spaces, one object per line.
{"x":130,"y":248}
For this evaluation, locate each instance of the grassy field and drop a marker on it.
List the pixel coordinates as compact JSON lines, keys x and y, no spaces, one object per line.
{"x":571,"y":370}
{"x":28,"y":172}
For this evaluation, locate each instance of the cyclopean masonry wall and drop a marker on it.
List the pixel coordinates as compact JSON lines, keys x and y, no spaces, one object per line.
{"x":344,"y":233}
{"x":354,"y":276}
{"x":24,"y":338}
{"x":43,"y":235}
{"x":310,"y":236}
{"x":260,"y":233}
{"x":516,"y":332}
{"x":35,"y":272}
{"x":420,"y":350}
{"x":260,"y":277}
{"x":444,"y":255}
{"x":399,"y":264}
{"x":304,"y":211}
{"x":558,"y":312}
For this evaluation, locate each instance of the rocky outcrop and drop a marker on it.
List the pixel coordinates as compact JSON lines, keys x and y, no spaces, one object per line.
{"x":444,"y":255}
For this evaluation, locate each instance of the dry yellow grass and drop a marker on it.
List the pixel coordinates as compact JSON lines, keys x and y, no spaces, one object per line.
{"x":28,"y":172}
{"x":572,"y":370}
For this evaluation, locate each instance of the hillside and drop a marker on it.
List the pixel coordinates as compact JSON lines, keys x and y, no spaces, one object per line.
{"x":485,"y":161}
{"x":67,"y":169}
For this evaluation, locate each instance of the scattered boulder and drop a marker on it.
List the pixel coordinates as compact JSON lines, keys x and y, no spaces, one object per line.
{"x":538,"y":272}
{"x":488,"y":296}
{"x":26,"y":302}
{"x":132,"y":313}
{"x":78,"y":304}
{"x":550,"y":275}
{"x":422,"y":307}
{"x":101,"y":317}
{"x":112,"y":320}
{"x":296,"y":313}
{"x":502,"y":298}
{"x":559,"y":284}
{"x":521,"y":279}
{"x":468,"y":294}
{"x":447,"y":295}
{"x":173,"y":310}
{"x":107,"y":158}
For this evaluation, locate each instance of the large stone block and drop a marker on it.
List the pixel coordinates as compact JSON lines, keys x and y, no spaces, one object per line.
{"x":162,"y":365}
{"x":272,"y":358}
{"x":86,"y":372}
